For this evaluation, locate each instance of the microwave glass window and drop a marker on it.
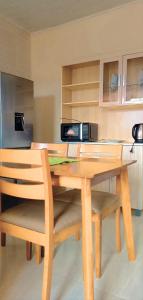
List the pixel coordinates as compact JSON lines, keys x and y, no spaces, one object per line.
{"x":72,"y":131}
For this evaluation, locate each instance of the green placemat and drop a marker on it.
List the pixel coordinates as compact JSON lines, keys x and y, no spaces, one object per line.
{"x":59,"y":160}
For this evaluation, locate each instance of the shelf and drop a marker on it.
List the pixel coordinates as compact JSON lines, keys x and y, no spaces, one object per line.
{"x":134,"y":101}
{"x":81,"y":85}
{"x":124,"y":106}
{"x":82,"y":103}
{"x":135,"y":84}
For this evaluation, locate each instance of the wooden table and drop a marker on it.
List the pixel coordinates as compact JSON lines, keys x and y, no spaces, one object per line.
{"x":82,"y":175}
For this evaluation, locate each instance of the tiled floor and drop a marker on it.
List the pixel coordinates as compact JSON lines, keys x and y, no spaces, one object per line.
{"x":121,"y":280}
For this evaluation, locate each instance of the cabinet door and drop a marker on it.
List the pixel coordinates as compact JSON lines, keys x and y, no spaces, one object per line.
{"x":103,"y":186}
{"x":113,"y":185}
{"x":133,"y":79}
{"x":135,"y":172}
{"x":110,"y":80}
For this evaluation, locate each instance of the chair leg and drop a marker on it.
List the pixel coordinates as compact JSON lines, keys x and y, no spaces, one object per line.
{"x":42,"y":251}
{"x":28,"y":250}
{"x":38,"y":254}
{"x":98,"y":244}
{"x":3,"y":239}
{"x":47,"y":277}
{"x":77,"y":236}
{"x":118,"y":231}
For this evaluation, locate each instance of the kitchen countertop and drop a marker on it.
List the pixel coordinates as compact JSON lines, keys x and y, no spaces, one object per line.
{"x":113,"y":141}
{"x":125,"y":143}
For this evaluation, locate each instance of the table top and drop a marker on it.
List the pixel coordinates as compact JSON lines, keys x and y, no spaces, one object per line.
{"x":89,"y":168}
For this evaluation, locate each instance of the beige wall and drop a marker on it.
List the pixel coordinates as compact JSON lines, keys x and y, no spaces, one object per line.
{"x":14,"y":49}
{"x":118,"y":31}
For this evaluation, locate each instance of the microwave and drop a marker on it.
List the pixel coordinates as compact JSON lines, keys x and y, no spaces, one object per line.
{"x":79,"y":132}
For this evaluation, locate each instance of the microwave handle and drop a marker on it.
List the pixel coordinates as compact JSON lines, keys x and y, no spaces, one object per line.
{"x":81,"y":132}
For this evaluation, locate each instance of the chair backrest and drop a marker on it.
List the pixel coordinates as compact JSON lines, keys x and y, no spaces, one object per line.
{"x":31,"y":170}
{"x":100,"y":151}
{"x":53,"y":149}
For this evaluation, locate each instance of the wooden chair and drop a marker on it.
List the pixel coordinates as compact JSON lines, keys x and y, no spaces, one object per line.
{"x":103,"y":203}
{"x":59,"y":150}
{"x":37,"y":219}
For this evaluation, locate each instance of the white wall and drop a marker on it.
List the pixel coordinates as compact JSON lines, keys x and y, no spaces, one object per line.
{"x":117,"y":31}
{"x":14,"y":49}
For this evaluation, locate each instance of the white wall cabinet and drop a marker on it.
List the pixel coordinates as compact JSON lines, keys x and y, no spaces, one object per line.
{"x":121,"y":80}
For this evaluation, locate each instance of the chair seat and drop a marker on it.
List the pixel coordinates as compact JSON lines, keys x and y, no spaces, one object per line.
{"x":58,"y":190}
{"x":100,"y":200}
{"x":30,"y":214}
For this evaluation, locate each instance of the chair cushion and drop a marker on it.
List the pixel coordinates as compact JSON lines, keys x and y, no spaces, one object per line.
{"x":30,"y":214}
{"x":100,"y":200}
{"x":58,"y":190}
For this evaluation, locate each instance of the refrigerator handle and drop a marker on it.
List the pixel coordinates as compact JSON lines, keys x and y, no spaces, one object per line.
{"x":22,"y":122}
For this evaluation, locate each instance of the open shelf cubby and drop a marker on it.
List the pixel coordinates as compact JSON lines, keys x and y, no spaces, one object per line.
{"x":80,"y":87}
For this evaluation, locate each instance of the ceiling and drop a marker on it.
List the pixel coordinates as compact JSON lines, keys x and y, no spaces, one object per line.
{"x":35,"y":15}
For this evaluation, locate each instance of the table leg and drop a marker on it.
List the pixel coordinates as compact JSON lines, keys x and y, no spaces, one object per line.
{"x":87,"y":249}
{"x":126,"y":206}
{"x":28,"y":250}
{"x":2,"y":234}
{"x":3,"y":239}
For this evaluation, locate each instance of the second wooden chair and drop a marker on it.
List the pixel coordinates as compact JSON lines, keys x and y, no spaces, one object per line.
{"x":103,"y":203}
{"x":58,"y":150}
{"x":54,"y":150}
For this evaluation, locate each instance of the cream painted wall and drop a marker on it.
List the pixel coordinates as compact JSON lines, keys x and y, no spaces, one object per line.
{"x":14,"y":49}
{"x":117,"y":31}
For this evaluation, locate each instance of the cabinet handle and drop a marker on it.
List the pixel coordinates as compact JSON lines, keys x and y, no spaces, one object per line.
{"x":123,"y":81}
{"x":119,"y":80}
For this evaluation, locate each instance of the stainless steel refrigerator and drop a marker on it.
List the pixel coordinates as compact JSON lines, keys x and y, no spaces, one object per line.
{"x":16,"y":111}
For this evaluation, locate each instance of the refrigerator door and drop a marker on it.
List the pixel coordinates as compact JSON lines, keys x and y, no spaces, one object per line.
{"x":16,"y":111}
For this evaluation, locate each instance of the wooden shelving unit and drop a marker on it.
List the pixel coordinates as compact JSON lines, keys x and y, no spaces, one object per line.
{"x":81,"y":103}
{"x":80,"y":88}
{"x":114,"y":83}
